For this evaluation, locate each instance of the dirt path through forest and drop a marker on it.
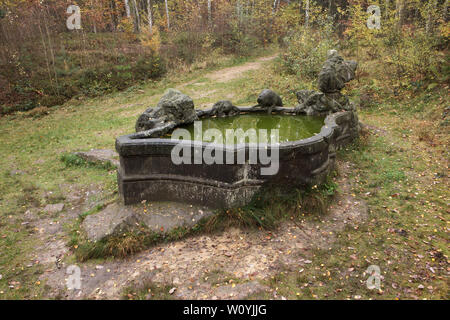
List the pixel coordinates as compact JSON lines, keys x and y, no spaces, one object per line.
{"x":218,"y":76}
{"x":231,"y":73}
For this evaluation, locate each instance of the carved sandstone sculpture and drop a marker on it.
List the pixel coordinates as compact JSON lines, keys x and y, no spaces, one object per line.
{"x":173,"y":108}
{"x":335,"y":73}
{"x":224,"y":108}
{"x":268,"y":99}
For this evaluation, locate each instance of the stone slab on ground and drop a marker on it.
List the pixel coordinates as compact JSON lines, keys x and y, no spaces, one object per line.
{"x":239,"y":291}
{"x":101,"y":156}
{"x":54,"y":208}
{"x":157,"y":216}
{"x":169,"y":215}
{"x":112,"y":220}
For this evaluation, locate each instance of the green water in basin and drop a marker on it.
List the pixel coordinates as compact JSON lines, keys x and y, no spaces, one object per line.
{"x":290,"y":127}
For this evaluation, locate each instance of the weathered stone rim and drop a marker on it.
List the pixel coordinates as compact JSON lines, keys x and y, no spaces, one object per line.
{"x":146,"y":171}
{"x":140,"y":144}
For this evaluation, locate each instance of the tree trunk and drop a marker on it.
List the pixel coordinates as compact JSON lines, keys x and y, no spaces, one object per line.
{"x":307,"y":14}
{"x":167,"y":15}
{"x":112,"y":5}
{"x":430,"y":23}
{"x":386,"y":9}
{"x":127,"y":9}
{"x":45,"y":52}
{"x":50,"y":46}
{"x":445,"y":13}
{"x":94,"y":23}
{"x":209,"y":13}
{"x":331,"y":9}
{"x":400,"y":8}
{"x":275,"y":5}
{"x":137,"y":20}
{"x":239,"y":11}
{"x":149,"y":15}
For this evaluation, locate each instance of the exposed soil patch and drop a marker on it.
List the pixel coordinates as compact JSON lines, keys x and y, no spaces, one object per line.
{"x":247,"y":255}
{"x":51,"y":228}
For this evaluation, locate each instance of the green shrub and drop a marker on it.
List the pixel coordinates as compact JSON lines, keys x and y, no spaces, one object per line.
{"x":73,"y":160}
{"x":305,"y":54}
{"x":151,"y":67}
{"x":93,"y":82}
{"x":38,"y":89}
{"x":412,"y":57}
{"x":273,"y":205}
{"x":234,"y":41}
{"x":188,"y":45}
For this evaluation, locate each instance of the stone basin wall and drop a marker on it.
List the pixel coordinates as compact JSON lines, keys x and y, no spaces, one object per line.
{"x":147,"y":172}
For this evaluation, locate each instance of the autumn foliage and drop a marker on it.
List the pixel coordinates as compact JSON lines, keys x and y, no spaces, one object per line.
{"x":122,"y":42}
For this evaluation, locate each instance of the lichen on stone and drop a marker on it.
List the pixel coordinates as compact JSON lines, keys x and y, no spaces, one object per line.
{"x":335,"y":73}
{"x":173,"y":108}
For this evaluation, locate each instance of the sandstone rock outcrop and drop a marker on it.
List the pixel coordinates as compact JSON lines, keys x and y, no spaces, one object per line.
{"x":335,"y":73}
{"x":173,"y":108}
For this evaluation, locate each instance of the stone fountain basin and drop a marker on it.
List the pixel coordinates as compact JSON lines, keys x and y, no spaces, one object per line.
{"x":147,"y":172}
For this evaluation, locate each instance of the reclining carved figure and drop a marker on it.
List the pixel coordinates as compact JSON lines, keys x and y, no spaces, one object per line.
{"x":267,"y":100}
{"x":224,"y":108}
